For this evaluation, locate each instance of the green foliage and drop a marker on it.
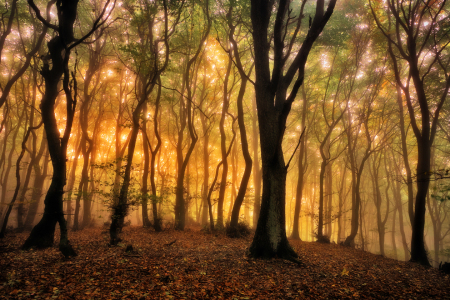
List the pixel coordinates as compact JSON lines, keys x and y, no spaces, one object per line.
{"x":440,"y":192}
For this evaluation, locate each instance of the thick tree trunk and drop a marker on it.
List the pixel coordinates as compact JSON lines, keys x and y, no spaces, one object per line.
{"x":418,"y":251}
{"x":270,"y":237}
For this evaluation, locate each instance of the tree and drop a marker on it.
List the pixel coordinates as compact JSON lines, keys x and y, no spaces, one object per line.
{"x":59,"y":50}
{"x":186,"y":116}
{"x":332,"y":116}
{"x":37,"y":43}
{"x":376,"y":132}
{"x":417,"y":43}
{"x":302,"y":167}
{"x":274,"y":104}
{"x":152,"y":67}
{"x":236,"y":55}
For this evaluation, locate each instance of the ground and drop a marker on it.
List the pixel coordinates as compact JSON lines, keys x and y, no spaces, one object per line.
{"x":196,"y":265}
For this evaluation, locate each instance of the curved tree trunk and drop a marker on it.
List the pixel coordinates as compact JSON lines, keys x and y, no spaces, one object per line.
{"x":156,"y":219}
{"x":223,"y":147}
{"x":120,"y":208}
{"x":247,"y":158}
{"x":43,"y":233}
{"x":186,"y":118}
{"x":243,"y":132}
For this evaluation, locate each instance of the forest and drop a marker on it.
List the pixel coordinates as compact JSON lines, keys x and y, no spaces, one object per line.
{"x":200,"y":145}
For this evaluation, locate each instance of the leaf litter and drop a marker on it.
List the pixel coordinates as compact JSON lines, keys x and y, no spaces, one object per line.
{"x":197,"y":265}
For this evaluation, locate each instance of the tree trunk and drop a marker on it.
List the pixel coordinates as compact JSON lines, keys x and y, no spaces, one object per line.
{"x":350,"y":240}
{"x":301,"y":172}
{"x":329,"y":194}
{"x":156,"y":219}
{"x":38,"y":185}
{"x":10,"y":155}
{"x":205,"y":184}
{"x":393,"y":235}
{"x":256,"y":166}
{"x":223,"y":146}
{"x":399,"y":206}
{"x":270,"y":237}
{"x":418,"y":252}
{"x":144,"y":188}
{"x":186,"y":118}
{"x":323,"y":165}
{"x":405,"y":155}
{"x":234,"y":171}
{"x":243,"y":133}
{"x":120,"y":208}
{"x":18,"y":182}
{"x":71,"y":183}
{"x":43,"y":233}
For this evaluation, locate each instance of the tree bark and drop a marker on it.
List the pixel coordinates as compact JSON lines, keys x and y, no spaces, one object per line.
{"x":59,"y":53}
{"x":242,"y":130}
{"x":38,"y":185}
{"x":156,"y":219}
{"x":223,"y":146}
{"x":257,"y":177}
{"x":146,"y":162}
{"x":301,"y":172}
{"x":274,"y":105}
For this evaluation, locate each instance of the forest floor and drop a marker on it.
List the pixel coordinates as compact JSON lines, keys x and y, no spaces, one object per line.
{"x":205,"y":266}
